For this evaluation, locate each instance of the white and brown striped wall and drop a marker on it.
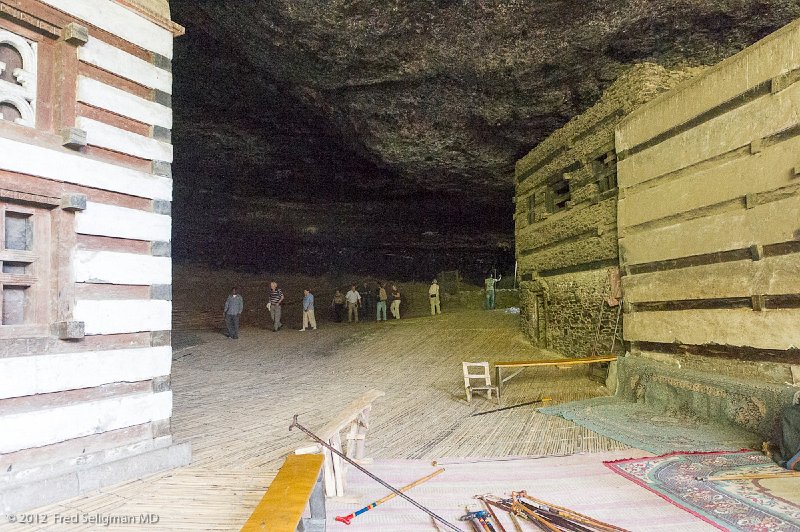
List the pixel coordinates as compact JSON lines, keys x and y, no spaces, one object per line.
{"x":85,"y":396}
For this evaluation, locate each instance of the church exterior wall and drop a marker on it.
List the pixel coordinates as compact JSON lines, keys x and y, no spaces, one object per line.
{"x":85,"y":195}
{"x":566,"y":222}
{"x":702,"y":223}
{"x":709,"y":221}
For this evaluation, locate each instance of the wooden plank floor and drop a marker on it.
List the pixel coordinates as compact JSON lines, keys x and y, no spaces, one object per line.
{"x":234,"y":400}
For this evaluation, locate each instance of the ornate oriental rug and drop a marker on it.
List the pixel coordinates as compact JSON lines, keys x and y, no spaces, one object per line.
{"x":737,"y":505}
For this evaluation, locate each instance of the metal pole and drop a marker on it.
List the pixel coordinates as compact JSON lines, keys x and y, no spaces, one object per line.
{"x":370,"y":475}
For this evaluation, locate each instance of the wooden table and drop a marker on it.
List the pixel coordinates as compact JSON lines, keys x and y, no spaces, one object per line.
{"x":560,"y":362}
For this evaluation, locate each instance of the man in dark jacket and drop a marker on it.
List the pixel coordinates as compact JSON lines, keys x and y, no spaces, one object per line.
{"x":233,"y":309}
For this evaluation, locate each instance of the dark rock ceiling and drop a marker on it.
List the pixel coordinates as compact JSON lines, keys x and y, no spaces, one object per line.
{"x":380,"y":136}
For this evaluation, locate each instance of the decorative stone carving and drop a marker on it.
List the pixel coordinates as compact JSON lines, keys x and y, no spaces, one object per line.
{"x":18,"y":87}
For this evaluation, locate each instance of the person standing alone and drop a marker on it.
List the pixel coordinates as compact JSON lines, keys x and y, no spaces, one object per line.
{"x":308,"y":310}
{"x":489,"y":283}
{"x":275,"y":302}
{"x":433,"y":293}
{"x":233,"y":309}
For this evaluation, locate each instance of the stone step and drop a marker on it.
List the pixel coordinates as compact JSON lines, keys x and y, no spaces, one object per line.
{"x":754,"y":404}
{"x":35,"y":486}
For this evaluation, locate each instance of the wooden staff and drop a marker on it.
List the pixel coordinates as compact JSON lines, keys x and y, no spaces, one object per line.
{"x":754,"y":476}
{"x":347,"y":518}
{"x":489,"y":509}
{"x":571,"y":514}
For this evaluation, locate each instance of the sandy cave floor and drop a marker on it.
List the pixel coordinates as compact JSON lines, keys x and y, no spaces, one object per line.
{"x":234,"y":400}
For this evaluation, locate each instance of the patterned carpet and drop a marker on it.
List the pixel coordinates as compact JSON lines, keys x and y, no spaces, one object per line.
{"x":737,"y":505}
{"x":642,"y":427}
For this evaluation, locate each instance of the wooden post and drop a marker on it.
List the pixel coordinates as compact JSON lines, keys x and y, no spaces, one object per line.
{"x":339,"y":468}
{"x":361,"y":436}
{"x":316,"y":506}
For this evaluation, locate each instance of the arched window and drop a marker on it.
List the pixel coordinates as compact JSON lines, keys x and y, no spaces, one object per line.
{"x":17,"y":79}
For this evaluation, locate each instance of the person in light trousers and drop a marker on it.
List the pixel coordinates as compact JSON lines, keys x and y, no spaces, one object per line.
{"x":308,"y":310}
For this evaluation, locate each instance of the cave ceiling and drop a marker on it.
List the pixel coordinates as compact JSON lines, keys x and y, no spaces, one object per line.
{"x":415,"y":102}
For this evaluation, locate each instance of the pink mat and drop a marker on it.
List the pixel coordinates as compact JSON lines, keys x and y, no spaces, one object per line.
{"x":579,"y":482}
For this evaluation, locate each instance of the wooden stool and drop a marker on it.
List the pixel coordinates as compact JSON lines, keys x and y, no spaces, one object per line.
{"x":484,"y":374}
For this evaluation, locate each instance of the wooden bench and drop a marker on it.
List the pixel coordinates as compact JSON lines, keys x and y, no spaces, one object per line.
{"x":354,"y":418}
{"x":297,"y":485}
{"x":560,"y":362}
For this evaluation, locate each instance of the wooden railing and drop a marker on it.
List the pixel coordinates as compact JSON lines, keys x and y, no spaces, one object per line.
{"x":355,"y":419}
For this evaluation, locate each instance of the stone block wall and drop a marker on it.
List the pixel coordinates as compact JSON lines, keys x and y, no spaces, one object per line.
{"x":566,"y":217}
{"x":577,"y":303}
{"x":709,"y":238}
{"x":709,"y":210}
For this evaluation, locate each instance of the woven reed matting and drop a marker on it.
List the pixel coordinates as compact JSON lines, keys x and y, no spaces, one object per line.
{"x":234,"y":400}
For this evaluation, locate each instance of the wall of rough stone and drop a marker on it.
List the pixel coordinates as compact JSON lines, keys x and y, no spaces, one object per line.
{"x":576,"y":304}
{"x":566,"y":216}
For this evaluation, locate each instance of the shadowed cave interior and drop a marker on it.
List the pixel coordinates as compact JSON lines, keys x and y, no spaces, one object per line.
{"x":381,"y":138}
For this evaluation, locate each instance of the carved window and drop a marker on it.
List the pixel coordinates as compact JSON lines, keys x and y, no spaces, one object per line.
{"x":24,"y":257}
{"x":531,"y":208}
{"x":558,"y":194}
{"x":17,"y":79}
{"x":605,"y":170}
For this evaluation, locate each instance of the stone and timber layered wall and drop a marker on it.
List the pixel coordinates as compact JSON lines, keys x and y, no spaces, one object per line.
{"x":566,"y":217}
{"x":85,"y":194}
{"x":709,"y":226}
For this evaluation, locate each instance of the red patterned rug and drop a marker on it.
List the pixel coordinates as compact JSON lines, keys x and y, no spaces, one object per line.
{"x":737,"y":505}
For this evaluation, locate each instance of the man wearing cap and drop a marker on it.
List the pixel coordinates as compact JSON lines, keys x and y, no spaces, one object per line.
{"x":308,"y":311}
{"x":433,"y":293}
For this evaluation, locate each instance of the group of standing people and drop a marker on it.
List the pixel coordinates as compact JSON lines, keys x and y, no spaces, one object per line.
{"x":371,"y":301}
{"x":234,"y":306}
{"x":354,"y":301}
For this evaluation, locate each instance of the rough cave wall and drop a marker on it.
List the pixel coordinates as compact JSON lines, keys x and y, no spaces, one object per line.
{"x":709,"y":219}
{"x":566,"y":220}
{"x":379,"y":126}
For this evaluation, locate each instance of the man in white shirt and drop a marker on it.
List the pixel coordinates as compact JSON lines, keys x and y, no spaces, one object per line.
{"x":353,"y":299}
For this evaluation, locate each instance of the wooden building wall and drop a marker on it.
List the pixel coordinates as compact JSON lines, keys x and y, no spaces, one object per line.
{"x":709,"y":236}
{"x":85,"y":396}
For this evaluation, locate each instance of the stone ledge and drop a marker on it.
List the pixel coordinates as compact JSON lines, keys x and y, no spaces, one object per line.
{"x":22,"y":496}
{"x":752,"y":404}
